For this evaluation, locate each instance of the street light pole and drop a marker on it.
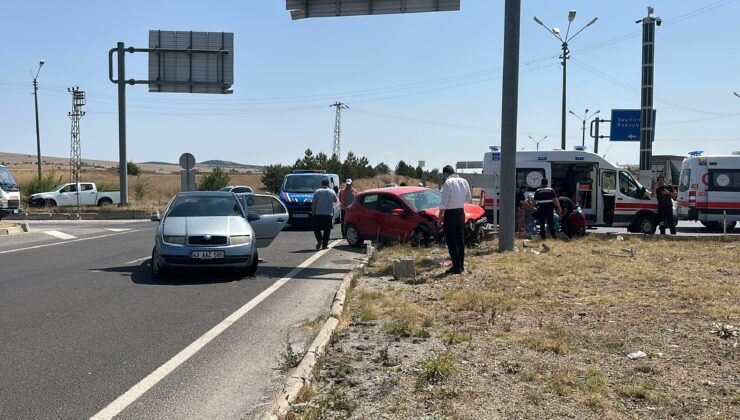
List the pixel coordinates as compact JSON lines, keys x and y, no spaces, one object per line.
{"x":565,"y":56}
{"x":537,"y":143}
{"x":36,"y":106}
{"x":584,"y":120}
{"x":564,"y":105}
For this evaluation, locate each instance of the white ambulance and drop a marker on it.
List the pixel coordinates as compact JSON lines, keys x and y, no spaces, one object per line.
{"x":709,"y":190}
{"x":608,"y":194}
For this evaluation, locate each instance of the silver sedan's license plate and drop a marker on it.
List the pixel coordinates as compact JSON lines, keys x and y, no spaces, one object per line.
{"x":206,"y":255}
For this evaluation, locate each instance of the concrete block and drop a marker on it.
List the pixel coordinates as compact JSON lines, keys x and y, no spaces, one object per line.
{"x":89,"y":216}
{"x":404,"y":269}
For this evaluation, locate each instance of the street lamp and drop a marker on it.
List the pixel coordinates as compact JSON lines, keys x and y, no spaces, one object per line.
{"x":585,"y":119}
{"x":537,"y":142}
{"x":36,"y":105}
{"x":737,"y":94}
{"x":564,"y":45}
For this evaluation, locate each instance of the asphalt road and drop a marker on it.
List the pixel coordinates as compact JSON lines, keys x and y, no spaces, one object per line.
{"x":82,"y":322}
{"x":683,"y":228}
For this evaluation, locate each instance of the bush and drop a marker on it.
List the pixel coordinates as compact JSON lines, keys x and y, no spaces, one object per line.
{"x":133,"y":169}
{"x":106,"y":187}
{"x":214,"y":181}
{"x":272,"y":176}
{"x":140,"y":187}
{"x":38,"y":185}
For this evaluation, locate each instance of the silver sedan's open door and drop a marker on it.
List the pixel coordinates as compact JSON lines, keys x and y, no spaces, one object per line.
{"x":267,"y":215}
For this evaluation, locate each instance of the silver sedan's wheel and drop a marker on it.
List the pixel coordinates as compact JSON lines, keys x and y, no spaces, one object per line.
{"x":156,"y":264}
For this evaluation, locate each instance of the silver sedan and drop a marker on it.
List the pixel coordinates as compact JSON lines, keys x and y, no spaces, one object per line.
{"x":216,"y":230}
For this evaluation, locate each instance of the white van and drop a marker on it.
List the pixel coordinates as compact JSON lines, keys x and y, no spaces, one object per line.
{"x":608,"y":194}
{"x":10,"y":194}
{"x":709,"y":190}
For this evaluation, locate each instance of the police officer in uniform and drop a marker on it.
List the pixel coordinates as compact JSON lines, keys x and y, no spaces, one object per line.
{"x":547,"y":201}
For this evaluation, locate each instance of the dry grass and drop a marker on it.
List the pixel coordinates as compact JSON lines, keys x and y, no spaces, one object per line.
{"x":160,"y":188}
{"x":547,"y":336}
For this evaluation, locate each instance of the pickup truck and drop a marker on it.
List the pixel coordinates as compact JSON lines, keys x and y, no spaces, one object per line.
{"x":66,"y":195}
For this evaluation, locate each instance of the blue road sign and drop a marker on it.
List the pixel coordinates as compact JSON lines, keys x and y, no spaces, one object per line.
{"x":625,"y":125}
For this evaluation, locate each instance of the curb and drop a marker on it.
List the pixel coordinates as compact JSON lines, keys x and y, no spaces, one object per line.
{"x":303,"y":374}
{"x":118,"y":215}
{"x":13,"y":230}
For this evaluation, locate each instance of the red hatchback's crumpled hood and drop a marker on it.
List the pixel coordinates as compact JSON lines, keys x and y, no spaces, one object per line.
{"x":472,"y":212}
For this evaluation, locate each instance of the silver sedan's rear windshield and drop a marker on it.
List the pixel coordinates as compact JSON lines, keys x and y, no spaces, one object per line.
{"x":204,"y":206}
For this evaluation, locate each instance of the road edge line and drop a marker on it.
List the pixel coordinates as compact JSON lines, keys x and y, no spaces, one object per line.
{"x":302,"y":376}
{"x":117,"y":406}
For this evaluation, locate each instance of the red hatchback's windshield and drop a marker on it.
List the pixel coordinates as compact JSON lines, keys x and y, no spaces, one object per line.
{"x":423,"y":200}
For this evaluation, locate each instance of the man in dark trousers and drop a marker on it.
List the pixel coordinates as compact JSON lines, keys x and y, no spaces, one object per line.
{"x":547,"y":201}
{"x":455,"y":193}
{"x":322,"y":206}
{"x":665,"y":193}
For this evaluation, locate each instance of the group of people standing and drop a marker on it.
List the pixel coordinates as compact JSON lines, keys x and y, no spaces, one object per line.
{"x":546,"y":208}
{"x":322,"y":207}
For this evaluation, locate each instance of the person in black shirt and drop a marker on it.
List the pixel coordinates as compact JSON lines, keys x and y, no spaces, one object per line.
{"x":546,"y":200}
{"x":665,"y":193}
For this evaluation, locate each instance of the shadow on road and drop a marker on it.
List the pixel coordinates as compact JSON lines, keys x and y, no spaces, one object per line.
{"x":142,"y":274}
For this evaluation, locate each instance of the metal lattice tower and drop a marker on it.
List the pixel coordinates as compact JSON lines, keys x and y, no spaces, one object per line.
{"x":336,"y":147}
{"x":75,"y":156}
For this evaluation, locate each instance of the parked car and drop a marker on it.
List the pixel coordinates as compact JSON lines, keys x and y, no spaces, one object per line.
{"x":66,"y":195}
{"x":297,"y":189}
{"x":216,"y":230}
{"x":10,"y":194}
{"x":404,"y":214}
{"x":237,"y":189}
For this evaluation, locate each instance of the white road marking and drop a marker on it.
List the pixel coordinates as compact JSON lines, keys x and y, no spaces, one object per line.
{"x":137,"y":260}
{"x":59,"y":235}
{"x":67,"y":242}
{"x":120,"y":403}
{"x":116,"y":230}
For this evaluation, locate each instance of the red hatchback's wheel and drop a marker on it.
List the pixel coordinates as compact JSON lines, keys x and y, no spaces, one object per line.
{"x":353,"y":235}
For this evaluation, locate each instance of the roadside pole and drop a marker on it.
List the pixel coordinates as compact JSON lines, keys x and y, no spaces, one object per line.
{"x":647,"y":124}
{"x":509,"y":103}
{"x":122,"y":166}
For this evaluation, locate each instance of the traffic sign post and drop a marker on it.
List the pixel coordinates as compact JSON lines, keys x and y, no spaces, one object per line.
{"x":187,"y":175}
{"x":625,"y":125}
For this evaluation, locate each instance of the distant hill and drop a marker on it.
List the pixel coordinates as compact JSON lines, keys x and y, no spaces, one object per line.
{"x":228,"y":164}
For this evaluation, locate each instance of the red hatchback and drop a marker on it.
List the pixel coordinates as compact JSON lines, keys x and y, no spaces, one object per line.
{"x":403,"y":214}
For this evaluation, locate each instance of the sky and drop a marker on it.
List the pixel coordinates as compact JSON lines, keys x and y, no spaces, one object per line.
{"x":421,"y":86}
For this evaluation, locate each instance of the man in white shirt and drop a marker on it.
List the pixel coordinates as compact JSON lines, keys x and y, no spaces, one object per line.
{"x":455,"y":193}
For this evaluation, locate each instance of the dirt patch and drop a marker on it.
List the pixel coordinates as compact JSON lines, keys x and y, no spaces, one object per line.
{"x":540,"y":335}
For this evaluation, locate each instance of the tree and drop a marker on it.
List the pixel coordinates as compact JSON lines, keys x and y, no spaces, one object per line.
{"x":382,"y":169}
{"x":350,"y":167}
{"x":273,"y":175}
{"x":215,"y":180}
{"x":308,"y":161}
{"x":133,"y":169}
{"x":401,"y":168}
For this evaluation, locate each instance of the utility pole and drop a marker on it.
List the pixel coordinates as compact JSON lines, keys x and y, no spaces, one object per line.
{"x":647,"y":128}
{"x":509,"y":109}
{"x":336,"y":149}
{"x":36,"y":106}
{"x":75,"y":152}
